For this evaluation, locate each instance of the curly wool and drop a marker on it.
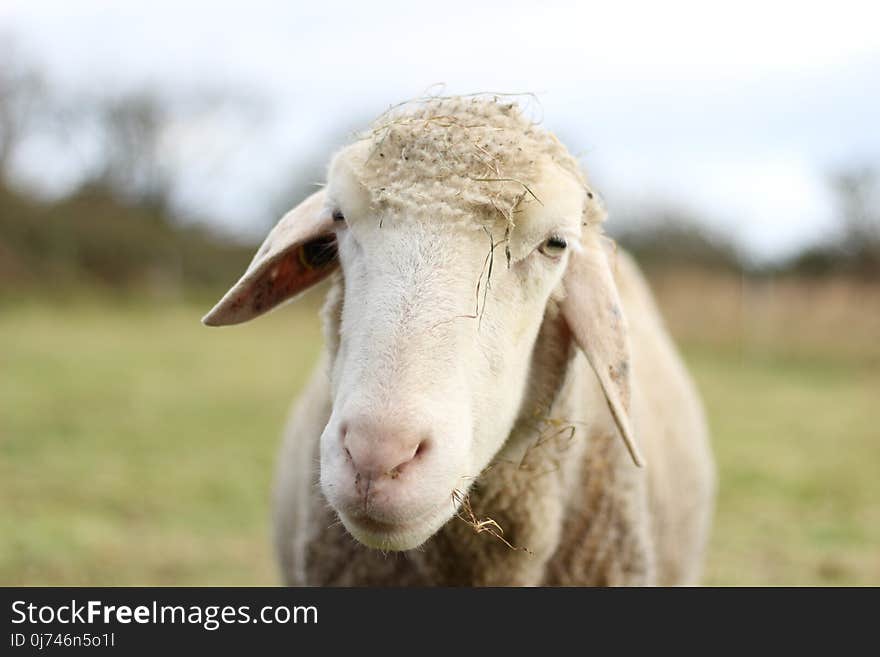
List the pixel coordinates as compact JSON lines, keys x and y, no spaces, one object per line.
{"x":459,"y":158}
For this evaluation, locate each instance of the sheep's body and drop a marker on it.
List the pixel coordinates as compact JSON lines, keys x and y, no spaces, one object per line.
{"x":535,"y":402}
{"x":574,"y":508}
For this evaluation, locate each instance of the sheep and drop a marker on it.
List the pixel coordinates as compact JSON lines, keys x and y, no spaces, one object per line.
{"x":495,"y":371}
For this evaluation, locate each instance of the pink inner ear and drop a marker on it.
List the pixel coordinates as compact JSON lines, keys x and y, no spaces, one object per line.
{"x":294,"y":271}
{"x":298,"y":252}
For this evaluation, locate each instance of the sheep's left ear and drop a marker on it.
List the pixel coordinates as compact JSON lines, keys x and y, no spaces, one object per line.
{"x":592,"y":310}
{"x":298,"y":252}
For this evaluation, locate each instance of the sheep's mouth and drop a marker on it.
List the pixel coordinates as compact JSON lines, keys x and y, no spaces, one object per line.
{"x":372,"y":524}
{"x":396,"y":536}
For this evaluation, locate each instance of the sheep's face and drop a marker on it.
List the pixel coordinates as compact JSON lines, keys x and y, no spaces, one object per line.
{"x":431,"y":350}
{"x":441,"y":302}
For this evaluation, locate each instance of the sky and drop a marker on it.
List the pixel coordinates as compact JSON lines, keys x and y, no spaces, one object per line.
{"x":735,"y":112}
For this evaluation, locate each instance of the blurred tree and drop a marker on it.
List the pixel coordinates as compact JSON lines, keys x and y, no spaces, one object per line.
{"x":22,"y":91}
{"x":145,"y":145}
{"x":858,"y":198}
{"x":856,"y":248}
{"x":132,"y":128}
{"x":661,"y":237}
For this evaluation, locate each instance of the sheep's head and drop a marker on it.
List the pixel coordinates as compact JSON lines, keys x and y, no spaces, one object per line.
{"x":454,"y":225}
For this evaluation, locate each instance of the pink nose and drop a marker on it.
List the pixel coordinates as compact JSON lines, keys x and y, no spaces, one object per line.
{"x":378,"y":449}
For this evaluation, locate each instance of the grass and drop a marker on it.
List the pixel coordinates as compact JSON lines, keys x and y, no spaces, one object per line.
{"x":796,"y":443}
{"x":137,"y":447}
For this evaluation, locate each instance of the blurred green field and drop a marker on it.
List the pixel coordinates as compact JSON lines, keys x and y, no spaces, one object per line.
{"x":137,"y":447}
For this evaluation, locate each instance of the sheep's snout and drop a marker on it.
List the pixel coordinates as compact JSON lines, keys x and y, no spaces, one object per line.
{"x":376,"y":451}
{"x":384,"y":465}
{"x":389,"y":478}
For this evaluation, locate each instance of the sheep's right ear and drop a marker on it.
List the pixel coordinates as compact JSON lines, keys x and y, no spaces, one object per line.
{"x":298,"y":252}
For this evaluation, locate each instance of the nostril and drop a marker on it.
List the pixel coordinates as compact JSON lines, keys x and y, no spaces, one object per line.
{"x":420,"y":449}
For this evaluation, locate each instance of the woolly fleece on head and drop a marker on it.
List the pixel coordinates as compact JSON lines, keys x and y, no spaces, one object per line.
{"x":457,"y":159}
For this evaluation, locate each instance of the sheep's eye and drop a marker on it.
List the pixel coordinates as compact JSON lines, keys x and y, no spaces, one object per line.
{"x":338,"y":216}
{"x":554,"y":246}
